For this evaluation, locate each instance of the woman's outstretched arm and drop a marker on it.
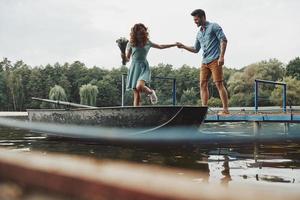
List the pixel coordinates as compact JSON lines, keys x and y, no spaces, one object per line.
{"x":163,"y":46}
{"x":126,"y":57}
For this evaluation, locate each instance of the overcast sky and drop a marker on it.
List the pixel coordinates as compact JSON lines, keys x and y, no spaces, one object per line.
{"x":48,"y":31}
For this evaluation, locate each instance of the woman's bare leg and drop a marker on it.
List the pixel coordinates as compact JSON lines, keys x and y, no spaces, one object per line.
{"x":136,"y":98}
{"x":141,"y":87}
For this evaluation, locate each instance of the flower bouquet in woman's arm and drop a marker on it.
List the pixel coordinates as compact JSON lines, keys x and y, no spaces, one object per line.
{"x":122,"y":43}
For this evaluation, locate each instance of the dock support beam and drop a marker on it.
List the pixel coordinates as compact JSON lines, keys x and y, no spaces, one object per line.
{"x":256,"y":132}
{"x":256,"y":128}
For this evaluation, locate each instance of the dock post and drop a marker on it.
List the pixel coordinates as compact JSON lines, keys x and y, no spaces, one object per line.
{"x":256,"y":96}
{"x":284,"y":98}
{"x":256,"y":151}
{"x":256,"y":128}
{"x":256,"y":132}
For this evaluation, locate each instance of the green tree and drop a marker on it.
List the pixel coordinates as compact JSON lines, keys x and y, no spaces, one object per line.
{"x":3,"y":96}
{"x":293,"y":68}
{"x":23,"y":72}
{"x":293,"y":91}
{"x":5,"y":64}
{"x":88,"y":94}
{"x":241,"y":84}
{"x":242,"y":99}
{"x":19,"y":82}
{"x":188,"y":97}
{"x":15,"y":87}
{"x":187,"y":78}
{"x":76,"y":75}
{"x":57,"y":93}
{"x":163,"y":87}
{"x":214,"y":102}
{"x":36,"y":87}
{"x":109,"y":93}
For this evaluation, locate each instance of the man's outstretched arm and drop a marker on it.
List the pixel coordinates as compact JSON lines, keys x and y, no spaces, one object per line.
{"x":191,"y":49}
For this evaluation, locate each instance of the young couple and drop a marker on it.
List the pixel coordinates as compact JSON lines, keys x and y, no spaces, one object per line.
{"x":210,"y":38}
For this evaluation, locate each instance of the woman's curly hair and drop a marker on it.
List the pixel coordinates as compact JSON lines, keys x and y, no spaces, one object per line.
{"x":139,"y":29}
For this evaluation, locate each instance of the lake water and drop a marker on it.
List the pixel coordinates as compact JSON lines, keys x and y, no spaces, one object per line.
{"x":224,"y":152}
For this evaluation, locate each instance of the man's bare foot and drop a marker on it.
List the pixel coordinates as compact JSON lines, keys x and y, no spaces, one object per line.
{"x":223,"y":112}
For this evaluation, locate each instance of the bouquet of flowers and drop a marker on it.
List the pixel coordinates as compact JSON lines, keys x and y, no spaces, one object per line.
{"x":122,"y":43}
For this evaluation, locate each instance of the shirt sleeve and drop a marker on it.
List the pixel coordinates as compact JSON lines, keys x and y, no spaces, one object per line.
{"x":219,"y":32}
{"x":197,"y":45}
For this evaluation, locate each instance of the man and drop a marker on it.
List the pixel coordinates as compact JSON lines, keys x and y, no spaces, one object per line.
{"x":213,"y":42}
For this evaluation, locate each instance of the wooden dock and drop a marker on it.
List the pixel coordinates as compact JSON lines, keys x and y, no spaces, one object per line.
{"x":74,"y":177}
{"x":248,"y":114}
{"x":259,"y":117}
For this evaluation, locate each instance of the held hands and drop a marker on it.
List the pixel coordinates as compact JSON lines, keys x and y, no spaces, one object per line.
{"x":179,"y":45}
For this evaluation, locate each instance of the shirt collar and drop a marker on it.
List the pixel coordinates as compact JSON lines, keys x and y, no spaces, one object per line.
{"x":203,"y":28}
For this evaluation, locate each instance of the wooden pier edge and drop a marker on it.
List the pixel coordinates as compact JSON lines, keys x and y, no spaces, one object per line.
{"x":86,"y":178}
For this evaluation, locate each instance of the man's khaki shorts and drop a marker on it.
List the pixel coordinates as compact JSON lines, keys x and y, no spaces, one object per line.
{"x":213,"y":69}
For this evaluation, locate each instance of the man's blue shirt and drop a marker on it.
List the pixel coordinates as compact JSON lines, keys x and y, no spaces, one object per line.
{"x":208,"y":39}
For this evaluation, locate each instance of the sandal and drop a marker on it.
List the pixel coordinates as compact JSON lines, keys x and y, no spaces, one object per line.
{"x":153,"y":97}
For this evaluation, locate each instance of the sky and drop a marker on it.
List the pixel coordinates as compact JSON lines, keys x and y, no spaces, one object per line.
{"x":41,"y":32}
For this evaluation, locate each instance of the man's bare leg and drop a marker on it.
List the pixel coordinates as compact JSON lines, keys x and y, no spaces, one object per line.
{"x":223,"y":95}
{"x":204,"y":92}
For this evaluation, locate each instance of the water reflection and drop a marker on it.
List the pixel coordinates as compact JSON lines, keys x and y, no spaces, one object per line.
{"x":223,"y":162}
{"x":226,"y":171}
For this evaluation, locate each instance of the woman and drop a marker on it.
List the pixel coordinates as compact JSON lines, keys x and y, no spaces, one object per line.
{"x":139,"y":71}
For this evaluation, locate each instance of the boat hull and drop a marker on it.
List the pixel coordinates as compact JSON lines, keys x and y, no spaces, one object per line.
{"x":129,"y":117}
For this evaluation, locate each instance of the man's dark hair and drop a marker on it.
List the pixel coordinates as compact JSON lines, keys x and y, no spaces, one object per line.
{"x":199,"y":13}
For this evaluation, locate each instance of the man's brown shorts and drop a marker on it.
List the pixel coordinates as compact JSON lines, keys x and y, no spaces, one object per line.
{"x":213,"y":69}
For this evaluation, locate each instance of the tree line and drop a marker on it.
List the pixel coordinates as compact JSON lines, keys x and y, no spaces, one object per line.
{"x":102,"y":87}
